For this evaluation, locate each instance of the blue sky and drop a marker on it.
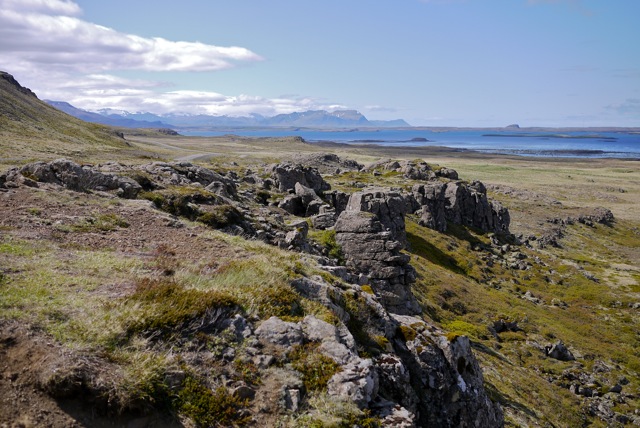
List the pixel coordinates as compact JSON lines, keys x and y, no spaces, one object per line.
{"x":430,"y":62}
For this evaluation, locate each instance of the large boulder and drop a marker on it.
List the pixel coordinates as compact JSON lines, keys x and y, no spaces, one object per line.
{"x":286,"y":175}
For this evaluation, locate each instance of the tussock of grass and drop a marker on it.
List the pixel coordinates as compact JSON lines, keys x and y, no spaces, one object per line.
{"x":98,"y":223}
{"x":331,"y":412}
{"x":327,"y":238}
{"x":166,"y":306}
{"x":315,"y":367}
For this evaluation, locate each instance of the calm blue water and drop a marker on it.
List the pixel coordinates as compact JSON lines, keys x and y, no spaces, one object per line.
{"x":524,"y":143}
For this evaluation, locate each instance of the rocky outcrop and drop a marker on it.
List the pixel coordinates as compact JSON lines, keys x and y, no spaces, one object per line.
{"x":185,"y":174}
{"x":372,"y":251}
{"x":389,"y":208}
{"x":286,"y":175}
{"x":328,"y":163}
{"x":69,"y":174}
{"x":436,"y":377}
{"x":13,"y":82}
{"x":459,"y":203}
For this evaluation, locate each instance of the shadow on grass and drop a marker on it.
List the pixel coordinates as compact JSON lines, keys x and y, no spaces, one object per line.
{"x":462,"y":233}
{"x":427,"y":250}
{"x":498,"y":397}
{"x":486,"y":350}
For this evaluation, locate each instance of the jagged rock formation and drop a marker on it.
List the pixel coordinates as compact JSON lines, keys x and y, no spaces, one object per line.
{"x":328,"y":163}
{"x":388,"y":206}
{"x":372,"y":251}
{"x":286,"y":175}
{"x":459,"y":203}
{"x":71,"y":175}
{"x":13,"y":82}
{"x":185,"y":173}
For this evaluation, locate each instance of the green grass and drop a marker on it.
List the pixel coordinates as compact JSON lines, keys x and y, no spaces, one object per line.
{"x":315,"y":367}
{"x":166,"y":306}
{"x":465,"y":298}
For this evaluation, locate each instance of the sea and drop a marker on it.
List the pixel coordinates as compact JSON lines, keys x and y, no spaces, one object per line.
{"x":572,"y":144}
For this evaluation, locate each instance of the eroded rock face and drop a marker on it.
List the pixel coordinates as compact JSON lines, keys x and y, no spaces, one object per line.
{"x":389,"y":208}
{"x":461,"y":204}
{"x":286,"y":175}
{"x":69,"y":174}
{"x":357,"y":382}
{"x":371,"y":250}
{"x":446,"y":380}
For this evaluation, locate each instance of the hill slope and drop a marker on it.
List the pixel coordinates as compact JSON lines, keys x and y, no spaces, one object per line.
{"x":30,"y":128}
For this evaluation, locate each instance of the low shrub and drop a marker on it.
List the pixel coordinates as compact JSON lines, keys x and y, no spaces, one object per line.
{"x":211,"y":408}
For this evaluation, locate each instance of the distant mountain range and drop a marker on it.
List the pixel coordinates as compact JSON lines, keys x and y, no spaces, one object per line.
{"x":307,"y":119}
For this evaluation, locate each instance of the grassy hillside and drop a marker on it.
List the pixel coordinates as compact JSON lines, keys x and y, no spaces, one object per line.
{"x":33,"y":130}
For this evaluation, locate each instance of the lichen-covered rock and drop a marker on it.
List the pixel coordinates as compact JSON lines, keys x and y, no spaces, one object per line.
{"x":459,"y":203}
{"x":449,"y":173}
{"x":328,"y":163}
{"x":338,"y":200}
{"x":357,"y":382}
{"x":335,"y":342}
{"x":431,"y":200}
{"x":445,"y":378}
{"x":185,"y":173}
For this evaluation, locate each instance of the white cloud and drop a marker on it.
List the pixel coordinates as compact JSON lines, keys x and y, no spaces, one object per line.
{"x":63,"y":7}
{"x":48,"y":47}
{"x":47,"y":33}
{"x":103,"y":91}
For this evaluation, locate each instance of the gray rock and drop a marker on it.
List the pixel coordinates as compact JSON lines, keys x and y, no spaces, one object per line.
{"x":368,"y":249}
{"x":80,"y":178}
{"x":286,"y":175}
{"x":293,"y":205}
{"x":306,"y":194}
{"x":357,"y":382}
{"x":338,"y":200}
{"x":559,"y":351}
{"x":323,"y":221}
{"x":278,"y":332}
{"x":461,"y":204}
{"x":388,"y":206}
{"x":339,"y":347}
{"x":449,"y":173}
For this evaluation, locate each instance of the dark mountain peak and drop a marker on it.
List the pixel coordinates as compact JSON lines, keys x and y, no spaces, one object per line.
{"x":4,"y":76}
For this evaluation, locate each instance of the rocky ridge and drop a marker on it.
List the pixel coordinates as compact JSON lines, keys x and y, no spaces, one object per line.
{"x":417,"y":377}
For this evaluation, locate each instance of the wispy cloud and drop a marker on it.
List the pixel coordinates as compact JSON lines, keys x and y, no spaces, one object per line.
{"x":630,"y":106}
{"x":104,"y":91}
